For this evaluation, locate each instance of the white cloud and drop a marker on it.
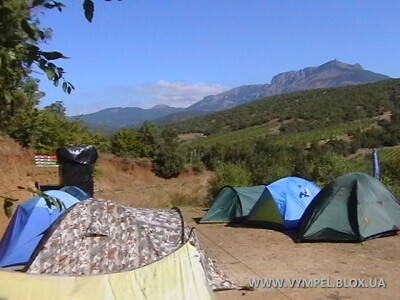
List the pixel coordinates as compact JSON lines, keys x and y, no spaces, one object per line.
{"x":172,"y":93}
{"x":178,"y":93}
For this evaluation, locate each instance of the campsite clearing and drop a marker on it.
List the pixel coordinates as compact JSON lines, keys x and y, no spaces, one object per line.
{"x":250,"y":253}
{"x":244,"y":253}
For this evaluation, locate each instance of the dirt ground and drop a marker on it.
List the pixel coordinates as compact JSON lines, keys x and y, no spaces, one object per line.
{"x":244,"y":253}
{"x":250,"y":253}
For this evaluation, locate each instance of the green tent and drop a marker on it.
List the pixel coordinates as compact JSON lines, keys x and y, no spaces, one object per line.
{"x":232,"y":204}
{"x":352,"y":208}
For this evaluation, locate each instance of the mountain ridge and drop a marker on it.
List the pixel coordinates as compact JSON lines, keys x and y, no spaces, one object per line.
{"x":331,"y":74}
{"x":115,"y":118}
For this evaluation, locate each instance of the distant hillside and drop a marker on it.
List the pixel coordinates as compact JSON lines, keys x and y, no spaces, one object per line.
{"x":299,"y":111}
{"x":112,"y":119}
{"x":180,"y":116}
{"x":331,"y":74}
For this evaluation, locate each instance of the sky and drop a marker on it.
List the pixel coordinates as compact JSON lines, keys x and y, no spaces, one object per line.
{"x":175,"y":52}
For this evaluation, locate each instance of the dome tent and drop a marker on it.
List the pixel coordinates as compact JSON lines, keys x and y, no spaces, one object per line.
{"x":178,"y":276}
{"x":283,"y":203}
{"x":232,"y":204}
{"x":352,"y":208}
{"x":27,"y":226}
{"x":102,"y":237}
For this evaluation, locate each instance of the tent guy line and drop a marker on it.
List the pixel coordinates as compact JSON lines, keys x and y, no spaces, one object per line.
{"x":237,"y":259}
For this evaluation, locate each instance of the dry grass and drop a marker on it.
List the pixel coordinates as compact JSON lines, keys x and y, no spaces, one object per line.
{"x":190,"y":136}
{"x":133,"y":183}
{"x":128,"y":181}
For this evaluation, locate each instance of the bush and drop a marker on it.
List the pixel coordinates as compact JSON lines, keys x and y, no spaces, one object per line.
{"x":198,"y":166}
{"x":48,"y":129}
{"x":194,"y":159}
{"x":126,"y":143}
{"x":167,"y":163}
{"x":149,"y":135}
{"x":326,"y":168}
{"x":390,"y":175}
{"x":229,"y":174}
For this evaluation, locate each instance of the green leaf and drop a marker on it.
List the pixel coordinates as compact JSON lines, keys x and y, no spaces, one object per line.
{"x":50,"y":73}
{"x":68,"y":87}
{"x":8,"y":204}
{"x":60,"y":72}
{"x":55,"y":4}
{"x":4,"y":11}
{"x":88,"y":7}
{"x":7,"y":97}
{"x":3,"y":61}
{"x":41,"y":34}
{"x":28,"y":29}
{"x":42,"y":64}
{"x":37,"y":2}
{"x":52,"y":55}
{"x":53,"y":201}
{"x":50,"y":201}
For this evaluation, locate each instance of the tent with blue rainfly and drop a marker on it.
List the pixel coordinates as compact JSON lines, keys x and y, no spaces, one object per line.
{"x":283,"y":202}
{"x":232,"y":204}
{"x":27,"y":226}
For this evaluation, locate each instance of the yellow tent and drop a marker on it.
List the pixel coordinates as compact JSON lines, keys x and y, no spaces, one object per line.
{"x":179,"y":275}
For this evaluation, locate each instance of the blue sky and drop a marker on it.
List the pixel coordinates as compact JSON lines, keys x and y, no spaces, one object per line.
{"x":147,"y":52}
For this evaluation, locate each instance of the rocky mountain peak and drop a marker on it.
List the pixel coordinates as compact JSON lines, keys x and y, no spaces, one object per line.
{"x":333,"y":73}
{"x":338,"y":64}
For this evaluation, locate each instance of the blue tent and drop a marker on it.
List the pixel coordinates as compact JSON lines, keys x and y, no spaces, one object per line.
{"x":283,"y":202}
{"x":26,"y":228}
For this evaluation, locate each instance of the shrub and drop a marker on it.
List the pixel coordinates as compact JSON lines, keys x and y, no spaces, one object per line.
{"x":167,"y":163}
{"x":149,"y":135}
{"x":48,"y":129}
{"x":126,"y":143}
{"x":198,"y":166}
{"x":327,"y":167}
{"x":390,"y":175}
{"x":229,"y":174}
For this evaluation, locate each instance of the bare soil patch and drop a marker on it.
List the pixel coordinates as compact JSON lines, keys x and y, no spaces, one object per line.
{"x":190,"y":136}
{"x":250,"y":253}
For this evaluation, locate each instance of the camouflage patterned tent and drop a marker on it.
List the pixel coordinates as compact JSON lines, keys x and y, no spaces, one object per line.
{"x":178,"y":276}
{"x":102,"y":237}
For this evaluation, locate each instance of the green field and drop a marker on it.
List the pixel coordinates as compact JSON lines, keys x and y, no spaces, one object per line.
{"x":232,"y":137}
{"x":250,"y":134}
{"x":389,"y":154}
